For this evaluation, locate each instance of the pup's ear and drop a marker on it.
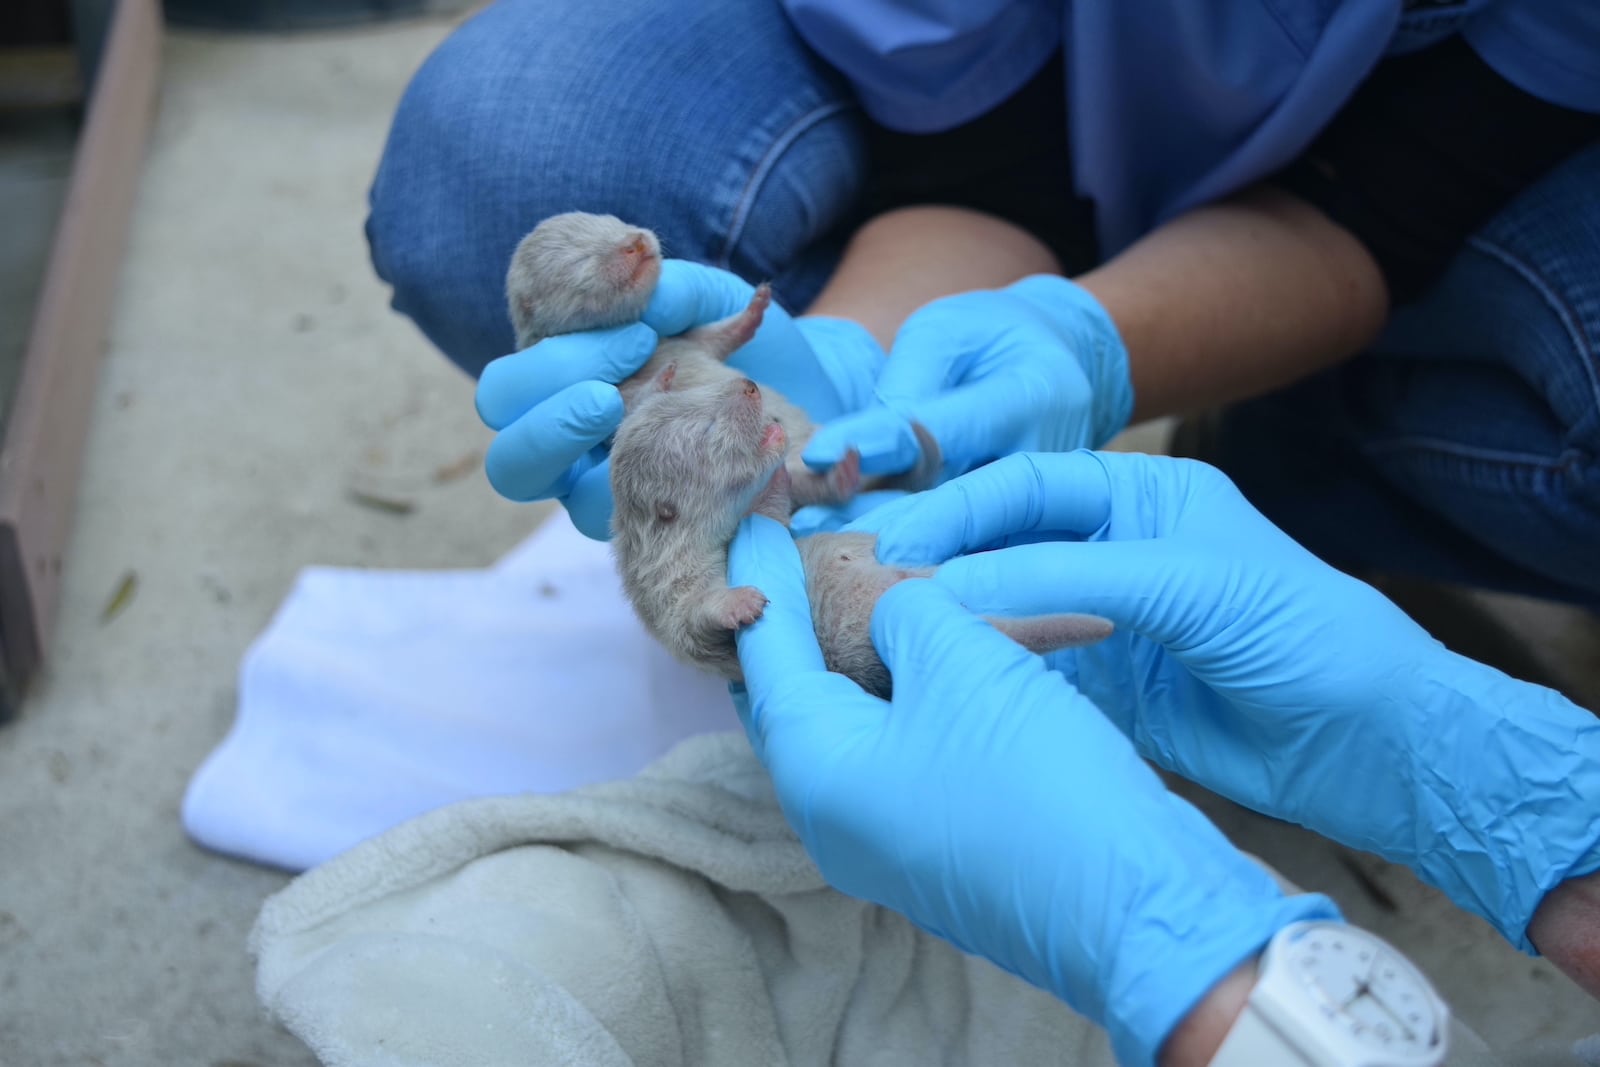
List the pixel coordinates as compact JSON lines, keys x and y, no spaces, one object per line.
{"x":662,"y":382}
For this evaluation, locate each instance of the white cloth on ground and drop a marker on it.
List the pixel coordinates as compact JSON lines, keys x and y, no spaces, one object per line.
{"x":374,"y":696}
{"x":670,"y":920}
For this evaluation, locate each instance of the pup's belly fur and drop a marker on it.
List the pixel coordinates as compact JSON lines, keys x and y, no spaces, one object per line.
{"x":697,"y":615}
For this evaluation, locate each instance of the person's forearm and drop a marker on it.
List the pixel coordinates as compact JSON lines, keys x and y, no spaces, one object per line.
{"x":1237,"y":298}
{"x":1194,"y":1042}
{"x":905,"y":258}
{"x":1566,"y":930}
{"x":1226,"y":302}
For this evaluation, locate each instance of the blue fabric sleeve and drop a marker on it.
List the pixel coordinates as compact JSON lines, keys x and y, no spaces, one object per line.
{"x":1549,"y":48}
{"x":928,"y":65}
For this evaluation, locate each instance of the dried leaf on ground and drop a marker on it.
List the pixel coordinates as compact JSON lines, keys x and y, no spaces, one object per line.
{"x":121,"y":596}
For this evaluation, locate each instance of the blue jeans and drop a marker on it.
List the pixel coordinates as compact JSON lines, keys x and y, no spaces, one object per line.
{"x":710,"y":122}
{"x":1463,"y":447}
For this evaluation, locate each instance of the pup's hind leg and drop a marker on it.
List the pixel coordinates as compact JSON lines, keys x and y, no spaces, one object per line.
{"x":722,"y":339}
{"x":700,"y":626}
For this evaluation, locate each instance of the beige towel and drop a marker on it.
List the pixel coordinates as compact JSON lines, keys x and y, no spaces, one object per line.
{"x":671,"y":919}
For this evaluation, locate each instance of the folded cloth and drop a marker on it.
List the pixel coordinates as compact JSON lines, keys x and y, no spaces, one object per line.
{"x":376,"y":696}
{"x":671,"y":919}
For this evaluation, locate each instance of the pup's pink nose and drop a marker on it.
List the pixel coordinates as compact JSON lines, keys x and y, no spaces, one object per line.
{"x":635,"y":246}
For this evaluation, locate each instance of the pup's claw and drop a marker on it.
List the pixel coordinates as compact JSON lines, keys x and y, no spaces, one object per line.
{"x":743,"y":606}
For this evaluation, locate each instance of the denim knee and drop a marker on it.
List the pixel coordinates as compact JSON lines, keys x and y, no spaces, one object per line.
{"x":1524,"y":296}
{"x":709,"y":122}
{"x":1549,"y":239}
{"x":1482,"y":401}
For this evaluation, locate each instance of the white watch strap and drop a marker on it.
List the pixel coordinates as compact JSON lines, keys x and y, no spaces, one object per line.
{"x":1253,"y":1042}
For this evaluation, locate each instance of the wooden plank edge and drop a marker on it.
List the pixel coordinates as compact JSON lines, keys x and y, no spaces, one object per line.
{"x":16,"y":626}
{"x":42,"y":454}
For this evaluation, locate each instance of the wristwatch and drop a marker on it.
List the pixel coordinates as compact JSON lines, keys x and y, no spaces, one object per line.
{"x":1333,"y":995}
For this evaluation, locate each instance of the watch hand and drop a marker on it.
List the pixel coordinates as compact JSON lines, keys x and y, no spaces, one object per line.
{"x":1367,"y":984}
{"x":1363,"y":985}
{"x":1409,"y":1033}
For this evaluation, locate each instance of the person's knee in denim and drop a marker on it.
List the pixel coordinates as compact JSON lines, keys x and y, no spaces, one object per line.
{"x":709,"y":123}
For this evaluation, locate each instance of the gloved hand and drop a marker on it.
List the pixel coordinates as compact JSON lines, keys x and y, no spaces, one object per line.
{"x":555,"y":405}
{"x":1246,"y":664}
{"x":996,"y":807}
{"x":1035,"y":367}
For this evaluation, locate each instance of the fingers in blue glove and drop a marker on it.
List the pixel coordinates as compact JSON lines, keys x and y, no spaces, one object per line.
{"x":922,"y":631}
{"x":693,"y":294}
{"x":884,"y":439}
{"x":543,"y":453}
{"x":513,"y":385}
{"x":831,"y":518}
{"x":915,"y":386}
{"x":975,"y":805}
{"x":782,"y":642}
{"x":1063,"y":493}
{"x":1268,"y":670}
{"x":784,"y":673}
{"x":1160,"y":591}
{"x":977,"y":422}
{"x":1035,"y":366}
{"x":780,"y":355}
{"x":882,"y":433}
{"x":589,"y":503}
{"x":953,"y":674}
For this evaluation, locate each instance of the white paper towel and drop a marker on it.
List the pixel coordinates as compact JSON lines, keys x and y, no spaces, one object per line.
{"x":375,"y":696}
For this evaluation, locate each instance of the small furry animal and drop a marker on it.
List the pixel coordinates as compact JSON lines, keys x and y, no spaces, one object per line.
{"x":579,"y":271}
{"x":686,"y":466}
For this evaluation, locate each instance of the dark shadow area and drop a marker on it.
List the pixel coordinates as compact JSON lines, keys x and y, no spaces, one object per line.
{"x":37,"y":146}
{"x":281,"y":15}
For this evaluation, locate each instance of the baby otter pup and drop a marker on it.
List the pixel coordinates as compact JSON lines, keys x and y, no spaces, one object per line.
{"x":578,"y":271}
{"x":687,"y":465}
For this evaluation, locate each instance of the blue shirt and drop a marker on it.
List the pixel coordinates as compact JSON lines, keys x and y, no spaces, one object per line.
{"x":1174,"y":103}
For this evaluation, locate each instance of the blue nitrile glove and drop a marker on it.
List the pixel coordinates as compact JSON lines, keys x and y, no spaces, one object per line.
{"x":996,"y":807}
{"x":1035,"y":367}
{"x":1248,"y":665}
{"x":555,"y":405}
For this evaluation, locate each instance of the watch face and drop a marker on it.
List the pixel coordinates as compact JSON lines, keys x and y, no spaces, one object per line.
{"x":1367,"y":989}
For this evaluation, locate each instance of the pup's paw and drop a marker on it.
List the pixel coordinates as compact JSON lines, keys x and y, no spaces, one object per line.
{"x":844,"y":477}
{"x":742,"y":606}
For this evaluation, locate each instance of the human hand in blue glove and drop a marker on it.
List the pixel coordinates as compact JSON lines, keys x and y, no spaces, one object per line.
{"x":555,"y":405}
{"x":996,"y":807}
{"x":1248,"y":665}
{"x":1035,"y":367}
